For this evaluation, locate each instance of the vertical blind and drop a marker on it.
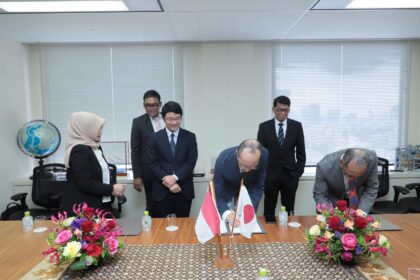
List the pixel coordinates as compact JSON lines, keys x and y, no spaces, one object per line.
{"x":109,"y":81}
{"x":346,"y":94}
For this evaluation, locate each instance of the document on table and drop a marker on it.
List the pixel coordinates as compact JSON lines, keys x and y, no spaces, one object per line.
{"x":258,"y":228}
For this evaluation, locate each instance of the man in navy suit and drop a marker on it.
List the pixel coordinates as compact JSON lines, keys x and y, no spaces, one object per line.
{"x":284,"y":140}
{"x":144,"y":126}
{"x":172,"y":154}
{"x":248,"y":161}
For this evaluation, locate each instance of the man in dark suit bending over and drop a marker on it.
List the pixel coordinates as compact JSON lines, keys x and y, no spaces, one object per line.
{"x":248,"y":161}
{"x":142,"y":128}
{"x":284,"y":140}
{"x":172,"y":154}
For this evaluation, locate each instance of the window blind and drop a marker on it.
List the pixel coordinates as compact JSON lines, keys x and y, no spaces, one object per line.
{"x":108,"y":80}
{"x":346,"y":94}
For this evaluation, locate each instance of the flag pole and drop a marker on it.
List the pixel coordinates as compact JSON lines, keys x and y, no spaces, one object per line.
{"x":222,"y":261}
{"x":233,"y":223}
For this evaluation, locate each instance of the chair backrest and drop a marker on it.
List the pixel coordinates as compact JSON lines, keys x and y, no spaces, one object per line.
{"x":112,"y":176}
{"x":47,"y":185}
{"x":383,"y":176}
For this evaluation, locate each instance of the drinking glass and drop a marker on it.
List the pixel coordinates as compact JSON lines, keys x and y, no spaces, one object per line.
{"x":414,"y":274}
{"x":171,"y":222}
{"x":39,"y":223}
{"x":293,"y":220}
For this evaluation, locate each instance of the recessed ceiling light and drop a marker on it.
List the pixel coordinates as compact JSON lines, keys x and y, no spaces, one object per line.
{"x":366,"y":4}
{"x":63,"y":6}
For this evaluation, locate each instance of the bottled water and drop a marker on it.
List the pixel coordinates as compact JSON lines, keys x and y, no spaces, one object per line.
{"x":262,"y":274}
{"x":28,"y":222}
{"x":146,"y":221}
{"x":283,"y":217}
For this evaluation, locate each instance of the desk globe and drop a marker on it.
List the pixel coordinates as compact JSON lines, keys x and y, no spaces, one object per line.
{"x":38,"y":139}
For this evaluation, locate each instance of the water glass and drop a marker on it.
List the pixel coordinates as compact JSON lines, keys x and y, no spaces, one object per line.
{"x":171,"y":224}
{"x":414,"y":274}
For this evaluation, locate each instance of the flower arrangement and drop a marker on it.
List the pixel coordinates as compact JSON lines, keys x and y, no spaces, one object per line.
{"x":345,"y":236}
{"x":86,"y":239}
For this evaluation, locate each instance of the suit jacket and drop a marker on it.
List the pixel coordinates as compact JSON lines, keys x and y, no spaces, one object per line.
{"x":291,"y":156}
{"x":141,"y":130}
{"x":227,"y":179}
{"x":329,"y":181}
{"x":182,"y":164}
{"x":84,"y":180}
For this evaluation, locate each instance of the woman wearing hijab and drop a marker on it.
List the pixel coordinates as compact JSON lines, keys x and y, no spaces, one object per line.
{"x":87,"y":170}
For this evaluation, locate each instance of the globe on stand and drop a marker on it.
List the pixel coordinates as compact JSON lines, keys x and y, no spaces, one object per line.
{"x":38,"y":139}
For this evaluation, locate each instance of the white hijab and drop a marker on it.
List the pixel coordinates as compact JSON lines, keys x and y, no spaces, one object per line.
{"x":83,"y":128}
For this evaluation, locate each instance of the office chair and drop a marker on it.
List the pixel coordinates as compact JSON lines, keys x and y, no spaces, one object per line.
{"x":46,"y":192}
{"x":413,"y":203}
{"x":387,"y":206}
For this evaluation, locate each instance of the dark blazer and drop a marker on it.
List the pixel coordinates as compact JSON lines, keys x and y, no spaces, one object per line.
{"x":141,"y":130}
{"x":329,"y":181}
{"x":227,"y":179}
{"x":84,"y":180}
{"x":162,"y":162}
{"x":283,"y":157}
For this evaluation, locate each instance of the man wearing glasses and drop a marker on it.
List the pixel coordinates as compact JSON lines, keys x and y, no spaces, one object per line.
{"x":142,"y":128}
{"x":284,"y":140}
{"x":248,"y":161}
{"x":172,"y":154}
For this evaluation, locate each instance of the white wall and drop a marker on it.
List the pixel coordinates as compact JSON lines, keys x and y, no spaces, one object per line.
{"x":227,"y":94}
{"x":15,"y":111}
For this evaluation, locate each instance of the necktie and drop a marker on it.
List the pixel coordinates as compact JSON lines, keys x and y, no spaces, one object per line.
{"x":353,"y":198}
{"x":173,"y":144}
{"x":281,"y":134}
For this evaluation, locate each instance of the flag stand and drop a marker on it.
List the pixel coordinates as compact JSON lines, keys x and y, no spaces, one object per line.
{"x":223,"y":261}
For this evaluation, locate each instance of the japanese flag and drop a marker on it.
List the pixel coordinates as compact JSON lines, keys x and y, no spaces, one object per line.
{"x":246,"y":212}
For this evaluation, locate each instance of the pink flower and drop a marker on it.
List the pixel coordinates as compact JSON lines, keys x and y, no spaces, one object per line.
{"x":63,"y":237}
{"x":349,"y":241}
{"x":111,"y":244}
{"x":347,"y":256}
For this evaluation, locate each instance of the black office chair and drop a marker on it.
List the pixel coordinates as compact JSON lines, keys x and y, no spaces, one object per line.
{"x":46,"y":192}
{"x":387,"y":206}
{"x":413,"y":203}
{"x":120,"y":199}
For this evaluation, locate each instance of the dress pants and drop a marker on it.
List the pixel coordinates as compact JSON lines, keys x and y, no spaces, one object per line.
{"x":287,"y":185}
{"x":172,"y":203}
{"x":148,"y":188}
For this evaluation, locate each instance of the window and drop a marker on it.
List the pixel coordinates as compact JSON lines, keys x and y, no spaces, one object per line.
{"x":109,"y":81}
{"x":346,"y":94}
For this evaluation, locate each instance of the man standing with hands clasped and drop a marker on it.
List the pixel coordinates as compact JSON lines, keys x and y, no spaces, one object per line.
{"x":284,"y":140}
{"x":142,"y":128}
{"x":172,"y":154}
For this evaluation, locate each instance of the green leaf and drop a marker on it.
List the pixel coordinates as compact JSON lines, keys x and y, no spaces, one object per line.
{"x":79,"y":265}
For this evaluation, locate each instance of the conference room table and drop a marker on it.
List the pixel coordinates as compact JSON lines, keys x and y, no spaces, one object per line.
{"x":21,"y":251}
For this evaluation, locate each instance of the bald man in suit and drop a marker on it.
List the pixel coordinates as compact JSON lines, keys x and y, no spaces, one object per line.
{"x":336,"y":171}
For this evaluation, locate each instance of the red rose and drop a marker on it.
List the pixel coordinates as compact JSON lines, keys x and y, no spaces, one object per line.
{"x":93,"y":250}
{"x":88,"y":212}
{"x":341,"y":205}
{"x":334,"y":222}
{"x":110,"y":224}
{"x":87,"y":226}
{"x":360,"y":222}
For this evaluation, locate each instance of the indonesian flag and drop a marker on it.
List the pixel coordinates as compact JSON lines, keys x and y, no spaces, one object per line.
{"x":246,"y":213}
{"x":208,"y":221}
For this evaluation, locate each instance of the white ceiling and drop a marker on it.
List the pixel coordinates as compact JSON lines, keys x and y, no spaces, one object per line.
{"x":214,"y":20}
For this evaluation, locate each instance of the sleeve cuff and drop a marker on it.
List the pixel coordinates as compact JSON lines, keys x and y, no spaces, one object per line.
{"x":225,"y":214}
{"x":176,"y":177}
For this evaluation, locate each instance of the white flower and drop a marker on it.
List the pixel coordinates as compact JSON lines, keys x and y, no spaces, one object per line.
{"x":72,"y":249}
{"x":384,"y":242}
{"x":315,"y":230}
{"x":67,"y":222}
{"x":89,"y":260}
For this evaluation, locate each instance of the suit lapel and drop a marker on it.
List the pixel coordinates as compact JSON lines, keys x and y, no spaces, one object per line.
{"x":272,"y":132}
{"x":166,"y":146}
{"x":179,"y":142}
{"x":290,"y":128}
{"x":148,"y":124}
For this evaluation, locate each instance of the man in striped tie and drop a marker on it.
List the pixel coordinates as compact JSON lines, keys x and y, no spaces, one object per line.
{"x":350,"y":174}
{"x":283,"y":138}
